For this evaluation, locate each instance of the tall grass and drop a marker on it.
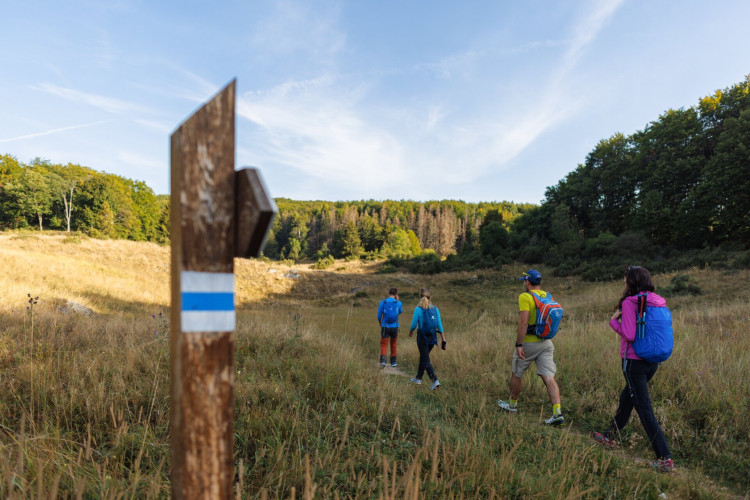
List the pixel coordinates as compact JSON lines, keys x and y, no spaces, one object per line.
{"x":84,"y":411}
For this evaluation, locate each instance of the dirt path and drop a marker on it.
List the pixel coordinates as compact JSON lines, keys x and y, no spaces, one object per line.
{"x":391,"y":370}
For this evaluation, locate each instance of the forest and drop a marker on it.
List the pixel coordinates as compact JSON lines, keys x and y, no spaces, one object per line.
{"x":76,"y":198}
{"x":674,"y":194}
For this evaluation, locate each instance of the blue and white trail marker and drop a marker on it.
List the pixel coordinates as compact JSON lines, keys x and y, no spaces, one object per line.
{"x":207,"y":301}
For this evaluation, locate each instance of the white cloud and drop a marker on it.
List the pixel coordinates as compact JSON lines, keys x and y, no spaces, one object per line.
{"x":140,"y":161}
{"x":109,"y":104}
{"x":299,"y":27}
{"x":346,"y":137}
{"x":315,"y":127}
{"x":461,"y":64}
{"x":53,"y":131}
{"x":158,"y":126}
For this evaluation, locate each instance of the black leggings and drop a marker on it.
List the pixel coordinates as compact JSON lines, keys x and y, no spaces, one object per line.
{"x":424,"y":358}
{"x":637,"y":374}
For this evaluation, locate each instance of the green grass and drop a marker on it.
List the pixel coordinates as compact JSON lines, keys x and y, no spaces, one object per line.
{"x":85,"y":407}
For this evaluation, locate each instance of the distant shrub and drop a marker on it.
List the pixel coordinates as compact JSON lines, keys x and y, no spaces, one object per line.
{"x":387,"y":268}
{"x":324,"y":263}
{"x":370,"y":256}
{"x":288,"y":262}
{"x":74,"y":238}
{"x":681,"y":284}
{"x":24,"y":234}
{"x":360,"y":294}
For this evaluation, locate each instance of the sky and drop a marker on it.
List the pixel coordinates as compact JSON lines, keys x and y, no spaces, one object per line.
{"x":336,"y":100}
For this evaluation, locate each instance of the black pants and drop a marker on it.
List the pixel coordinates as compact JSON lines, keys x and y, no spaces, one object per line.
{"x":425,"y":346}
{"x":635,"y":395}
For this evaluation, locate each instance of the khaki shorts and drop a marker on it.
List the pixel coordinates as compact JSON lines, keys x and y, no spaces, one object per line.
{"x":541,"y":352}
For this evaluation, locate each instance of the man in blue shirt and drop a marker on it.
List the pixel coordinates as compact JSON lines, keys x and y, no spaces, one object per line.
{"x":388,"y":311}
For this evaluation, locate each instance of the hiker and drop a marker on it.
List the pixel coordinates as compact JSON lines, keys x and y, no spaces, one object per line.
{"x":530,"y":348}
{"x":388,"y":311}
{"x":426,"y":320}
{"x":637,"y":372}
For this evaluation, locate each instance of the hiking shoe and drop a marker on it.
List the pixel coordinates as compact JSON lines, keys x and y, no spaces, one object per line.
{"x":382,"y":365}
{"x":416,"y":381}
{"x":603,"y":440}
{"x":506,"y":406}
{"x":663,"y":465}
{"x":394,"y":365}
{"x":435,"y":385}
{"x":555,"y":420}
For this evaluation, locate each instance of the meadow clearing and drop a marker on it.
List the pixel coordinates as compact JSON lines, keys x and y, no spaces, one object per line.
{"x":85,"y":395}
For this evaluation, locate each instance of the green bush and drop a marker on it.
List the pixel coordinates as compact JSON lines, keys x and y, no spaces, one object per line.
{"x":324,"y":263}
{"x":681,"y":284}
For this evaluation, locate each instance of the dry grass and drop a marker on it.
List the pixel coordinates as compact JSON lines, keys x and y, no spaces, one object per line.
{"x":84,"y":410}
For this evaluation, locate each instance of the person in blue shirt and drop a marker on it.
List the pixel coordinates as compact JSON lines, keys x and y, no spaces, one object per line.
{"x":388,"y":311}
{"x":426,"y":320}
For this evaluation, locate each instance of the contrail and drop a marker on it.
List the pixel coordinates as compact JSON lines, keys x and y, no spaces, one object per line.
{"x":53,"y":131}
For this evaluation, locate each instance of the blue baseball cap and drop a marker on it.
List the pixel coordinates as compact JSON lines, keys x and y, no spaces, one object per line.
{"x":533,"y":276}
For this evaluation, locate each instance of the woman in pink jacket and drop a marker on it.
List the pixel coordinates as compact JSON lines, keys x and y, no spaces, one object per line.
{"x":637,"y":371}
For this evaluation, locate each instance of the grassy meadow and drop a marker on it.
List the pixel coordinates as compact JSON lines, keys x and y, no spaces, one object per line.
{"x":84,"y":407}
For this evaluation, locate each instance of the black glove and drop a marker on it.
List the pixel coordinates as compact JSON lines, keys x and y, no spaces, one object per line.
{"x":442,"y":345}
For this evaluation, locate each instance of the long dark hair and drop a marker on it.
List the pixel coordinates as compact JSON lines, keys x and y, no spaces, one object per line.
{"x":637,"y":279}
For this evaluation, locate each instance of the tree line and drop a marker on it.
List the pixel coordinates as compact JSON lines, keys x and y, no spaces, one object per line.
{"x":381,"y":229}
{"x":674,"y":194}
{"x":71,"y":197}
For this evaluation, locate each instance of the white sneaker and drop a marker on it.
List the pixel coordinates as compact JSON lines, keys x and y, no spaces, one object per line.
{"x":393,"y":365}
{"x":558,"y":420}
{"x":506,"y":406}
{"x":435,"y":385}
{"x":382,"y":365}
{"x":416,"y":381}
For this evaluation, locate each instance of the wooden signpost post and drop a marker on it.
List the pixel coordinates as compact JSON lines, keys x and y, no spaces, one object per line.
{"x":217,"y":213}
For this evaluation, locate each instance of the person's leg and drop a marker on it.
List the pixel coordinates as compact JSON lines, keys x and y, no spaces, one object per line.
{"x":546,"y":369}
{"x":428,"y":364}
{"x":383,"y":344}
{"x":641,"y":373}
{"x":394,"y":340}
{"x":515,"y":386}
{"x":424,"y":356}
{"x":625,"y":406}
{"x":552,"y":389}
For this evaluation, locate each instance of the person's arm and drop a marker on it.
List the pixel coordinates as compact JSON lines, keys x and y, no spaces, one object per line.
{"x":400,"y":307}
{"x":440,"y":325}
{"x":414,"y":321}
{"x":625,"y":327}
{"x":380,"y":312}
{"x":523,"y":326}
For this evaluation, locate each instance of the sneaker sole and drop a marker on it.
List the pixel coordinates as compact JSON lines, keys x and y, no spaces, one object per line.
{"x":509,"y":410}
{"x":556,"y":424}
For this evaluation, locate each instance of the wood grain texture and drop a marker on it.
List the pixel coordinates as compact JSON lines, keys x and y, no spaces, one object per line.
{"x":202,"y":238}
{"x":255,"y":211}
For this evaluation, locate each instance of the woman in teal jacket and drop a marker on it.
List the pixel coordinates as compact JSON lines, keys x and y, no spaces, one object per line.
{"x":426,"y":320}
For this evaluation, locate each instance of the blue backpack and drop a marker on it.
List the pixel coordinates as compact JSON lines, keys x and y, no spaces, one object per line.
{"x":654,"y":338}
{"x":390,"y":312}
{"x":548,"y":316}
{"x":429,"y":325}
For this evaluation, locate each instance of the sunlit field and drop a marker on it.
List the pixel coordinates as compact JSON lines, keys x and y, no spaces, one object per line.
{"x":84,"y":375}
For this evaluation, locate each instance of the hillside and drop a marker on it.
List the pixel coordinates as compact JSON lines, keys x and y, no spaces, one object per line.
{"x":85,"y":403}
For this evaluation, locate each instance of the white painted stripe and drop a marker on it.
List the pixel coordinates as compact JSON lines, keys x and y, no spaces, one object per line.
{"x":208,"y":321}
{"x":194,"y":281}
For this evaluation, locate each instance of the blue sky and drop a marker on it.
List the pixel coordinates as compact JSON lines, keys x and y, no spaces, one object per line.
{"x":479,"y":100}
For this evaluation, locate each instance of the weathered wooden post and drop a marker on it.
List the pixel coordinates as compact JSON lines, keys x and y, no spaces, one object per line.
{"x":212,"y":208}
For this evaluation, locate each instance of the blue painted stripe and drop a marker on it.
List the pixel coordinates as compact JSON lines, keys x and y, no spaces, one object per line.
{"x":201,"y":301}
